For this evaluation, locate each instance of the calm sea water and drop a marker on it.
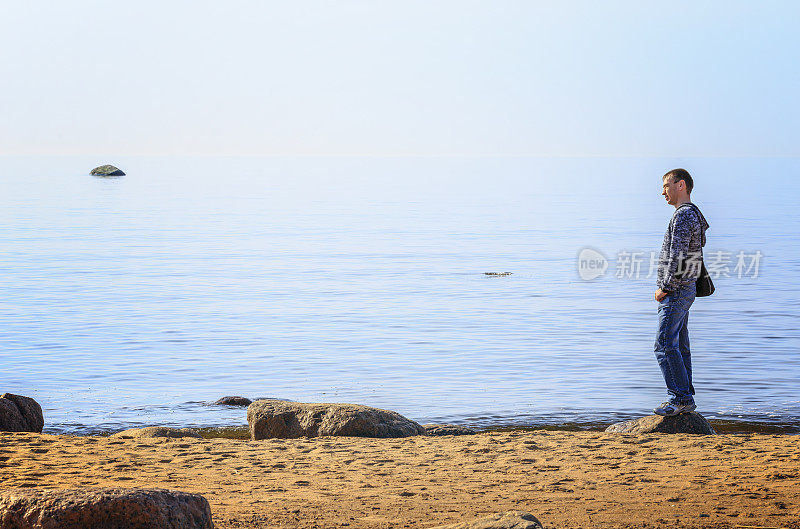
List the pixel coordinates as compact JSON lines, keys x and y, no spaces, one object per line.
{"x":134,"y":301}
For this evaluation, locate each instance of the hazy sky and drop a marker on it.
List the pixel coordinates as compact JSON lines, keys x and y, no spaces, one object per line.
{"x":406,"y":77}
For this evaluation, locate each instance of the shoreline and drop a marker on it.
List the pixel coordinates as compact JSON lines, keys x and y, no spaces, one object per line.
{"x":568,"y":479}
{"x":726,"y":426}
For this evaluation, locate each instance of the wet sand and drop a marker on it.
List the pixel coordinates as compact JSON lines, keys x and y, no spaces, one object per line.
{"x":566,"y":479}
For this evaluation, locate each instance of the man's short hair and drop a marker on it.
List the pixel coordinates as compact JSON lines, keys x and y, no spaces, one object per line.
{"x":681,"y":174}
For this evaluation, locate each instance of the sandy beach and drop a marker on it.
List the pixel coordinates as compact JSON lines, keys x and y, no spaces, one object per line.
{"x":567,"y":479}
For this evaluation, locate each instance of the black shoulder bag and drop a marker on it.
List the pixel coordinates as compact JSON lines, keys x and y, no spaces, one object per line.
{"x":705,"y":287}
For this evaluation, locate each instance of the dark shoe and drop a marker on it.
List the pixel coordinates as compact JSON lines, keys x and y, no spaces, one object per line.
{"x":669,"y":409}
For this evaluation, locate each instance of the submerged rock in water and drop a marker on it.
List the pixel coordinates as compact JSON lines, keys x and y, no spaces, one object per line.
{"x":281,"y":419}
{"x":158,"y":431}
{"x":20,"y":414}
{"x":107,"y":170}
{"x":508,"y":520}
{"x":103,"y":509}
{"x":691,"y":422}
{"x":234,"y":401}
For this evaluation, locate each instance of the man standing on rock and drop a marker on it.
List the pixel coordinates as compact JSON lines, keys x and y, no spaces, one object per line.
{"x":678,"y":268}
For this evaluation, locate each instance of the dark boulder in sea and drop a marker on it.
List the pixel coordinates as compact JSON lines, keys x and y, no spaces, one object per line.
{"x":448,"y":429}
{"x":234,"y":401}
{"x":107,"y":170}
{"x":691,"y":422}
{"x":103,"y":509}
{"x":281,"y":419}
{"x":151,"y":432}
{"x":507,"y":520}
{"x":20,"y":414}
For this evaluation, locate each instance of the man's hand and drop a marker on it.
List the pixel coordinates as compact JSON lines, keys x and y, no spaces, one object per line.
{"x":660,"y":294}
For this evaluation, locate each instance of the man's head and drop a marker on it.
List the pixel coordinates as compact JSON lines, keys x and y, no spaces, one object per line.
{"x":677,"y":186}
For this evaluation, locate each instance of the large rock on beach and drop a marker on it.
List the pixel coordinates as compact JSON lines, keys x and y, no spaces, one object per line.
{"x":282,"y":419}
{"x":234,"y":401}
{"x":103,"y":509}
{"x":20,"y":414}
{"x":107,"y":170}
{"x":691,"y":422}
{"x":448,"y":429}
{"x":152,"y":432}
{"x":508,"y":520}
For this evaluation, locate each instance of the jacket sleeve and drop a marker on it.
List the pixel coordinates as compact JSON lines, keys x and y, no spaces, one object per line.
{"x":682,"y":227}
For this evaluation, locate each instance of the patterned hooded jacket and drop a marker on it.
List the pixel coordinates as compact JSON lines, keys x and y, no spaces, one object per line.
{"x":682,"y":250}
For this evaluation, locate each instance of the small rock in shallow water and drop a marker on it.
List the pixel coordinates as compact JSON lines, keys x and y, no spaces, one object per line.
{"x":281,"y":419}
{"x":497,"y":274}
{"x":508,"y":520}
{"x":20,"y":414}
{"x":234,"y":401}
{"x":103,"y":509}
{"x":691,"y":422}
{"x":448,"y":429}
{"x":107,"y":170}
{"x":151,"y":432}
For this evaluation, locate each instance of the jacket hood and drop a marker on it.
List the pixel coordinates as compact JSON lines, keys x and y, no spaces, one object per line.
{"x":703,"y":223}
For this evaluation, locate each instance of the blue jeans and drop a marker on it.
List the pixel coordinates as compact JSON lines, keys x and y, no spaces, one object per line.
{"x":672,"y":344}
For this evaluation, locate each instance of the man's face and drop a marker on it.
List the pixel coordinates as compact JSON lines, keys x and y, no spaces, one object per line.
{"x":670,"y":190}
